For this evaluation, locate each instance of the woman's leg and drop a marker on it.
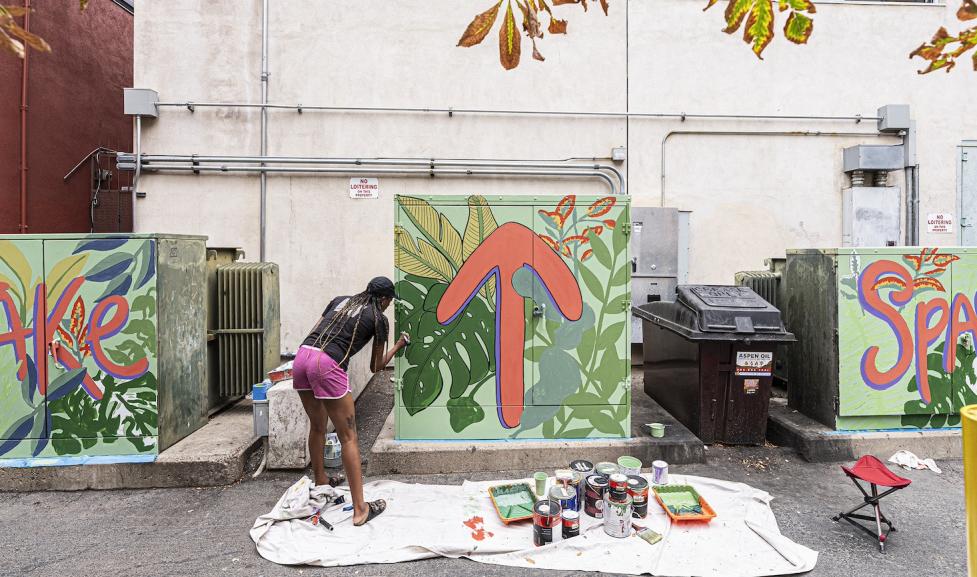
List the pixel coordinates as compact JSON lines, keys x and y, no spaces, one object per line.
{"x":316,"y":410}
{"x":342,"y":413}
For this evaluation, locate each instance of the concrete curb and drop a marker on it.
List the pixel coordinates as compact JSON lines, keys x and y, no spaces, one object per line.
{"x":216,"y":454}
{"x":818,"y":443}
{"x":389,"y":456}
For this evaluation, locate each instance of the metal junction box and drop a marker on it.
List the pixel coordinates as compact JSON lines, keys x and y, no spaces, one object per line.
{"x":871,"y":216}
{"x":654,"y":250}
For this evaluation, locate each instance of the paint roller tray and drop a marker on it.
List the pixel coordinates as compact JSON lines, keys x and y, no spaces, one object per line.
{"x":681,"y":497}
{"x":513,"y":502}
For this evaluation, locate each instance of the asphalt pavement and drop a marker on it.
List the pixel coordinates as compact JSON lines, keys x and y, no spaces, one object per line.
{"x":204,"y":531}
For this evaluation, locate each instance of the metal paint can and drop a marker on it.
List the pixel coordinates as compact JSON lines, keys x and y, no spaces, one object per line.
{"x":564,"y":477}
{"x":638,"y":490}
{"x":571,"y":524}
{"x":565,"y":496}
{"x":546,"y":516}
{"x":594,"y":493}
{"x":606,"y":469}
{"x":659,"y":473}
{"x":629,"y":465}
{"x":618,"y":482}
{"x":581,"y":470}
{"x":617,"y":517}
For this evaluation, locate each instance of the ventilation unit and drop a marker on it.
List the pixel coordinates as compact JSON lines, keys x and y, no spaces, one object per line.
{"x":248,"y":325}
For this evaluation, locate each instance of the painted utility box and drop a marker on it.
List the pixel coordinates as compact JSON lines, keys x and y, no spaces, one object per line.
{"x":518,"y":311}
{"x":102,"y":346}
{"x":885,"y":336}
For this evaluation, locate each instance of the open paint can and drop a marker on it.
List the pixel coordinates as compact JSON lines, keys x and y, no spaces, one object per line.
{"x":565,"y":496}
{"x":606,"y":469}
{"x":594,"y":495}
{"x":617,"y":517}
{"x":546,"y":516}
{"x":638,"y":489}
{"x":629,"y":465}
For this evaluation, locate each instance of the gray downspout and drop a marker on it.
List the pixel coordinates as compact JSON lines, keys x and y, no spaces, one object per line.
{"x":912,"y":185}
{"x":263,"y":211}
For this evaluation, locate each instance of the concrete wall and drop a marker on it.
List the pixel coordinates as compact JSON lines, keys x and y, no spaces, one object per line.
{"x":752,"y":196}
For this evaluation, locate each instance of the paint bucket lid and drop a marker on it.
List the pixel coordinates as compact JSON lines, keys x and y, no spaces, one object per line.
{"x":564,"y":475}
{"x":627,"y":462}
{"x":571,"y":515}
{"x":659,"y":464}
{"x":637,"y":483}
{"x":547,"y":508}
{"x":597,"y":481}
{"x":581,"y":466}
{"x":606,"y":468}
{"x":618,"y":479}
{"x":560,"y":493}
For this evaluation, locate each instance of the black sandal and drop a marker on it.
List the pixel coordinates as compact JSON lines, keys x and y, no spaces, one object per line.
{"x":375,"y":508}
{"x":337,"y":480}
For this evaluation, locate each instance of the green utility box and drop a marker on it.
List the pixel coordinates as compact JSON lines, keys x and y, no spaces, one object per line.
{"x":885,"y":336}
{"x":518,"y":311}
{"x":102,"y":346}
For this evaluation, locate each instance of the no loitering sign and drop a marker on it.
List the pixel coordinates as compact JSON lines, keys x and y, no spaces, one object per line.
{"x":939,"y":223}
{"x":364,"y":188}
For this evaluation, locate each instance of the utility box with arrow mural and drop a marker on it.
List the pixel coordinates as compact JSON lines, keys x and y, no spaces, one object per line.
{"x":517,"y":308}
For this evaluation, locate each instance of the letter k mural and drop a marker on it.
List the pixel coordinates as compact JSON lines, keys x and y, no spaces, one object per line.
{"x":511,"y":247}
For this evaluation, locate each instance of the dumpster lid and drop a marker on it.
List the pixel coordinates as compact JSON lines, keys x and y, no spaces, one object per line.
{"x":714,"y":312}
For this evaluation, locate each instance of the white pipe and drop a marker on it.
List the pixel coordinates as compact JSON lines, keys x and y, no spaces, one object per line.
{"x":135,"y":178}
{"x":264,"y":129}
{"x":392,"y":171}
{"x":196,"y":160}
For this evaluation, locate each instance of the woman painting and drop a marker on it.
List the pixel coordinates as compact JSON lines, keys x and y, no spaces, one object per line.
{"x":319,"y":375}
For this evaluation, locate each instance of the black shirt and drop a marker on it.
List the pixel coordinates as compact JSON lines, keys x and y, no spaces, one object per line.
{"x":342,"y":344}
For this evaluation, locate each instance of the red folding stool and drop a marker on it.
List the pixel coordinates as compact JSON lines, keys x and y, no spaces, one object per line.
{"x":876,"y":474}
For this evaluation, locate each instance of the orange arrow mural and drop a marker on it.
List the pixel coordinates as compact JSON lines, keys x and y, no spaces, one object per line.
{"x":511,"y":247}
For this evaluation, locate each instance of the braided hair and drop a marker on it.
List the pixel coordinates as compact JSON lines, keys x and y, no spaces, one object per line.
{"x":353,"y":307}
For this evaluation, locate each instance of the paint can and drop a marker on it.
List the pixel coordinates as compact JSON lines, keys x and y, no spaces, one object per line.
{"x":617,"y":517}
{"x":629,"y":465}
{"x":566,"y":497}
{"x":659,"y":473}
{"x":617,"y":488}
{"x":571,"y":524}
{"x":546,"y":516}
{"x":581,"y":470}
{"x":638,"y":490}
{"x":594,"y":493}
{"x":606,"y":469}
{"x":564,"y":477}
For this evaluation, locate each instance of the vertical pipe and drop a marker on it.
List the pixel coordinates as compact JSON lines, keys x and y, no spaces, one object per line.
{"x":264,"y":126}
{"x":22,"y":226}
{"x":969,"y":418}
{"x":135,"y":178}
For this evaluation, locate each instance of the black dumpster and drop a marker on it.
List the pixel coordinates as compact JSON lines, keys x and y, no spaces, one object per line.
{"x":709,"y":357}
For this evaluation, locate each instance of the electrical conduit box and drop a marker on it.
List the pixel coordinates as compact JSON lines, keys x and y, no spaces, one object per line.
{"x":884,"y":335}
{"x":102,"y":346}
{"x":518,"y":312}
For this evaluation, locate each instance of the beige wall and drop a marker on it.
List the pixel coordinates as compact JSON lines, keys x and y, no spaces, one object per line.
{"x":752,"y":195}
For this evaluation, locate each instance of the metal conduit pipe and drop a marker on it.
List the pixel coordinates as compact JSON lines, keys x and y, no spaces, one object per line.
{"x":191,"y":105}
{"x":391,"y":171}
{"x":264,"y":127}
{"x":748,"y":133}
{"x":22,"y":226}
{"x":431,"y":163}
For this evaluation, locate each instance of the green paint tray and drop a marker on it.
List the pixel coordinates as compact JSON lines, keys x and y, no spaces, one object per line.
{"x":682,"y":496}
{"x":513,"y":502}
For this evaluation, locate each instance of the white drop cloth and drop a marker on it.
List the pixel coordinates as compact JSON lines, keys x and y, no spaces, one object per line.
{"x":423,"y":521}
{"x":909,"y":461}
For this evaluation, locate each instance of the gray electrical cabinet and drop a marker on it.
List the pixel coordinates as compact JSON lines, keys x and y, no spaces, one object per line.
{"x":871,"y":216}
{"x":654,"y":258}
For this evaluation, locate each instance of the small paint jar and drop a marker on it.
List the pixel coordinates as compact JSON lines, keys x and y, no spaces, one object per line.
{"x":571,"y":524}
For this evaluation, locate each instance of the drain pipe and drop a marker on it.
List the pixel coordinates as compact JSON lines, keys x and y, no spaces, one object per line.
{"x":429,"y":172}
{"x":196,"y":160}
{"x":264,"y":128}
{"x":22,"y":226}
{"x":911,"y":172}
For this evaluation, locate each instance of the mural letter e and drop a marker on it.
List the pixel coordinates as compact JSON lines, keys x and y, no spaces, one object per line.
{"x":511,"y":247}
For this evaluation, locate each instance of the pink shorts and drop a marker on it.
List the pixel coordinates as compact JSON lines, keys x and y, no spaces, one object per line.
{"x":314,"y":370}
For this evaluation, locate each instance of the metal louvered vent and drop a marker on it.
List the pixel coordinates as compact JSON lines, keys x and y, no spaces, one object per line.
{"x":248,"y":325}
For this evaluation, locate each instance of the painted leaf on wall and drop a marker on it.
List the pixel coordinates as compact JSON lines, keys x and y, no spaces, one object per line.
{"x":481,"y":223}
{"x":464,"y":412}
{"x":411,"y":259}
{"x":109,"y":267}
{"x":435,"y":227}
